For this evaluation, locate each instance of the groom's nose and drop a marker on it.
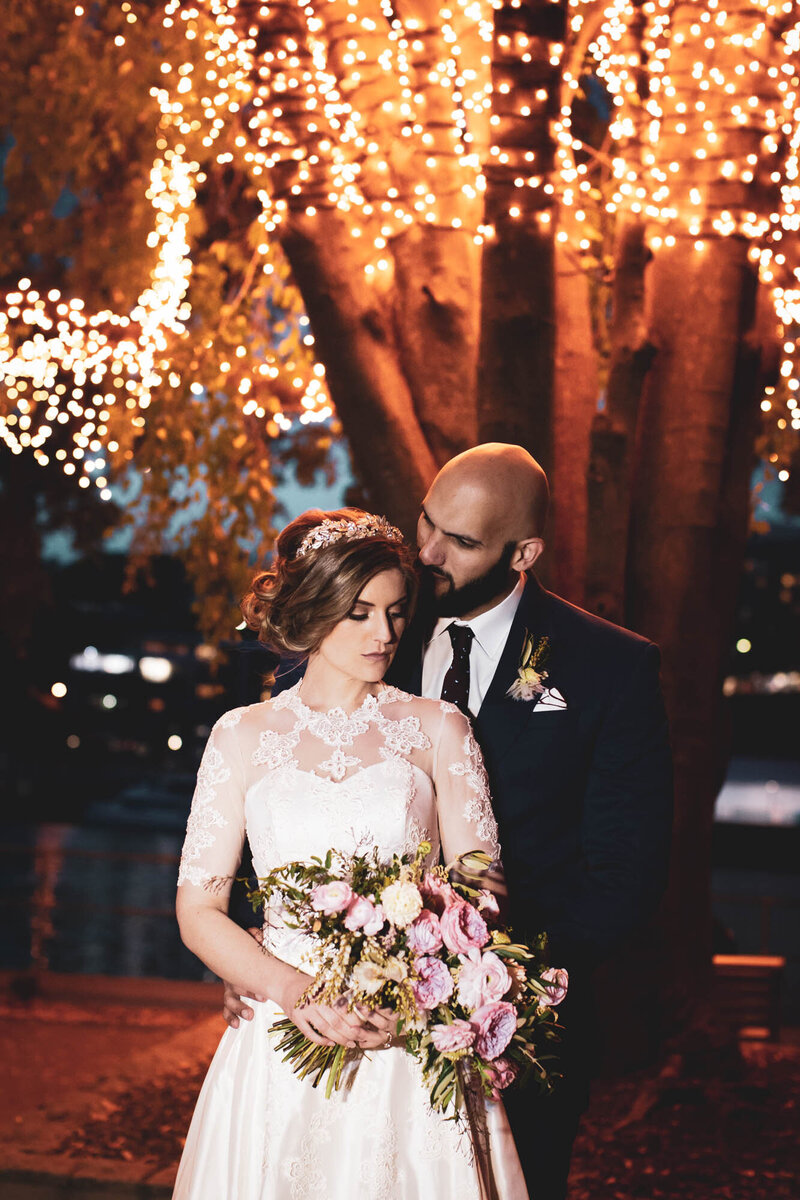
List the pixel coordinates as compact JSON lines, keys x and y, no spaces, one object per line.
{"x":432,"y":552}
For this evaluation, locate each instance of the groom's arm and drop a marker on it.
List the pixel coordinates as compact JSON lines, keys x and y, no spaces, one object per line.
{"x":626,"y":823}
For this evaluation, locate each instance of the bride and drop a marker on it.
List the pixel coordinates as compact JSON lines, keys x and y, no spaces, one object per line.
{"x":340,"y":760}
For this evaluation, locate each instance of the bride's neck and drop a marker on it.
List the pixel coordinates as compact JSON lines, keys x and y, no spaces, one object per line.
{"x":323,"y":687}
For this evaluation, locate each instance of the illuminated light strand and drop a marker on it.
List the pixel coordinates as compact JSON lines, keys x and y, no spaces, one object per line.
{"x":342,"y":107}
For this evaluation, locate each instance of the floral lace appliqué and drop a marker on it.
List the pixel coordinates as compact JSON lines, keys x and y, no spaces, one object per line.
{"x":231,"y":718}
{"x":340,"y":730}
{"x":478,"y":806}
{"x":275,"y":749}
{"x":402,"y":736}
{"x":204,"y":817}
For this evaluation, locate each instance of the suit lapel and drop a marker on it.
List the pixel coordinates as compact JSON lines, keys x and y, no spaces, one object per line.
{"x":501,"y":720}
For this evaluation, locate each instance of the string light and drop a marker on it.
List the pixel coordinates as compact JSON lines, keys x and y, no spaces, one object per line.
{"x":355,"y":117}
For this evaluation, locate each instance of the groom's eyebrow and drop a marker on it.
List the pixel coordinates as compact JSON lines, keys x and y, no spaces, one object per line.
{"x":461,"y":537}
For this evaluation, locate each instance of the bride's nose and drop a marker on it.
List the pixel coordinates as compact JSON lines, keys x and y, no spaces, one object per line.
{"x":384,"y":633}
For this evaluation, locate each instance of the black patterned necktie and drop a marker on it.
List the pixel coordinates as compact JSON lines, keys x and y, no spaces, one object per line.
{"x":456,"y":682}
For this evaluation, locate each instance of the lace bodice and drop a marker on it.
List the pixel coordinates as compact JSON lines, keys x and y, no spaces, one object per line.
{"x":299,"y":782}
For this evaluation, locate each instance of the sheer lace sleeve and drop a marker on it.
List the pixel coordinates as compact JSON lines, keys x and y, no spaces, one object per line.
{"x":215,"y":830}
{"x":466,"y":820}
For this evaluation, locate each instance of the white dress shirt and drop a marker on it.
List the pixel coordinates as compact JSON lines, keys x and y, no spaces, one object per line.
{"x":491,"y":630}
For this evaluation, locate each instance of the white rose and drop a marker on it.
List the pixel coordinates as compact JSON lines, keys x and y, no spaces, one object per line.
{"x":402,"y":903}
{"x":368,"y":977}
{"x":396,"y":970}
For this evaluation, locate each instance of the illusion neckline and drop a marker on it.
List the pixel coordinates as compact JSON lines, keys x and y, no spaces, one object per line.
{"x":372,"y":701}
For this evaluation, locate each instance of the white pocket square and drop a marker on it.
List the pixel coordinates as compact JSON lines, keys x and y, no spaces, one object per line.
{"x":549,"y":699}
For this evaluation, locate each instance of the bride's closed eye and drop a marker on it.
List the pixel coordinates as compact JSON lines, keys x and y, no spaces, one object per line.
{"x":393,"y":616}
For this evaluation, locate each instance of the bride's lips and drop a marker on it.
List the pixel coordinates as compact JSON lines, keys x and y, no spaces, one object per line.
{"x":376,"y":657}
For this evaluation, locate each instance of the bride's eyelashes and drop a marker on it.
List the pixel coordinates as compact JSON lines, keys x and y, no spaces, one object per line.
{"x":393,"y":616}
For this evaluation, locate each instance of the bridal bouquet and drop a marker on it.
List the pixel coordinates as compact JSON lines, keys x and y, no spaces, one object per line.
{"x":474,"y":1007}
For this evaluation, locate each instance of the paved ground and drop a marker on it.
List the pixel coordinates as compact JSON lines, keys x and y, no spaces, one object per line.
{"x":101,"y":1076}
{"x":74,"y":1057}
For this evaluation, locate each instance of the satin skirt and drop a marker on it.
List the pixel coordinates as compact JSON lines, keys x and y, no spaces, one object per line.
{"x":259,"y":1133}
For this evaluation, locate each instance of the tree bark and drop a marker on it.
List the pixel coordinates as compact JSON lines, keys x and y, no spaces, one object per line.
{"x":436,"y":313}
{"x":576,"y":393}
{"x":688,"y":525}
{"x":352,"y":324}
{"x":614,"y":429}
{"x":517,"y":349}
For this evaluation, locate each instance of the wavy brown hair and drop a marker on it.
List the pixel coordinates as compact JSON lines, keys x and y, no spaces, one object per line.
{"x":296,"y":603}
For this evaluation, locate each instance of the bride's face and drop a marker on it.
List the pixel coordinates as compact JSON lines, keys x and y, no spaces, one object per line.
{"x":364,"y":643}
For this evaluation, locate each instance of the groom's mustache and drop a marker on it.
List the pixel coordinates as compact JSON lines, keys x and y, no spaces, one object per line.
{"x":427,"y":572}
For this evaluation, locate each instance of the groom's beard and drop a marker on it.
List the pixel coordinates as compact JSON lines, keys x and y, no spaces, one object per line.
{"x":455,"y":601}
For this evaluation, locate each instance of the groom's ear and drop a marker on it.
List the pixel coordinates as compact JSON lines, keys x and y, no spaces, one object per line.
{"x":526,"y":553}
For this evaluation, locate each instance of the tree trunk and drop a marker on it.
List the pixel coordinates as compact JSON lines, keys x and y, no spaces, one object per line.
{"x":576,"y":393}
{"x":614,"y":429}
{"x":517,"y":349}
{"x":436,"y":308}
{"x":688,"y":525}
{"x":355,"y":335}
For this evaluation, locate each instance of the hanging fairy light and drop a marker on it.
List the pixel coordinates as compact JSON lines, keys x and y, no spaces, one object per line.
{"x":366,"y":120}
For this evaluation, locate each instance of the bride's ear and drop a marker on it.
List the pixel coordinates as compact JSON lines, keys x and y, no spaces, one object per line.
{"x":526,"y":553}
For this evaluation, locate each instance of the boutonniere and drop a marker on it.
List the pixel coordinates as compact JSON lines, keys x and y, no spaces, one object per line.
{"x":530,"y":672}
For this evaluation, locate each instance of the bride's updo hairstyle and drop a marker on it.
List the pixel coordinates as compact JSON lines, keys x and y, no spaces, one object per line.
{"x":320,"y":569}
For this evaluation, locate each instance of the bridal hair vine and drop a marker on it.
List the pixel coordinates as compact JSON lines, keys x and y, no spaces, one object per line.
{"x":330,"y":531}
{"x":530,"y":672}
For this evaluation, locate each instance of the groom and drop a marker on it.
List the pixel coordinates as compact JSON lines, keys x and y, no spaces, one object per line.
{"x":578,"y":755}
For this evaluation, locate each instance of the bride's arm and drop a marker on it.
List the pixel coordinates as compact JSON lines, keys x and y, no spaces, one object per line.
{"x":464,"y":804}
{"x":211,"y":855}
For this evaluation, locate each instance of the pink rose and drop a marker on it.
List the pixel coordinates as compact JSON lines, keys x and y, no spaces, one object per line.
{"x":424,"y":935}
{"x":494,"y":1025}
{"x":482,"y":978}
{"x":331,"y":898}
{"x":487,"y":902}
{"x":501,"y":1073}
{"x":376,"y":922}
{"x":457,"y":1036}
{"x":435,"y":983}
{"x":361,"y":913}
{"x":558,"y":978}
{"x":436,"y":893}
{"x":463,"y":928}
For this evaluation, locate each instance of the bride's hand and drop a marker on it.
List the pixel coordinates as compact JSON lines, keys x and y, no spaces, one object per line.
{"x":331,"y":1025}
{"x":384,"y":1023}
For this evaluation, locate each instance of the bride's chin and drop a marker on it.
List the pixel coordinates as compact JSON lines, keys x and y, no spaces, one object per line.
{"x":373,"y":672}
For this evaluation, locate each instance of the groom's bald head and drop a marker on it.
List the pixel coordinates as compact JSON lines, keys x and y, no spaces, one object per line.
{"x":505,"y":482}
{"x":481,"y":524}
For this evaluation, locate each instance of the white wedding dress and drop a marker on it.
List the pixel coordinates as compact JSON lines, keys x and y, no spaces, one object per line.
{"x":297,"y":783}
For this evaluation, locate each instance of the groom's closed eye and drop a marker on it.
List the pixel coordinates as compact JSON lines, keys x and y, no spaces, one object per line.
{"x":466,"y":543}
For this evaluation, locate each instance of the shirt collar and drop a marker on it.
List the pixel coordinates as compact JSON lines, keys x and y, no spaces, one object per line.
{"x":491,"y":628}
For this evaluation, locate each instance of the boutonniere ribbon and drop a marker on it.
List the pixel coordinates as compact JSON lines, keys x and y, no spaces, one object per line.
{"x":530,"y":672}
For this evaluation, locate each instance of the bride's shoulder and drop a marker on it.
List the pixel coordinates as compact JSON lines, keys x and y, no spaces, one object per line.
{"x":243,"y":717}
{"x":418,"y":706}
